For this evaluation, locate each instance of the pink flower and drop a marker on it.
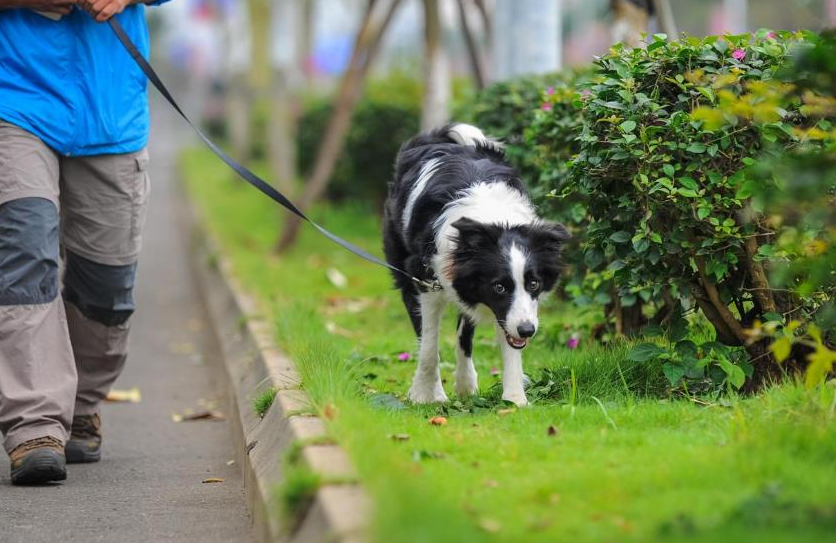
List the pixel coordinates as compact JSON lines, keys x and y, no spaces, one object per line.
{"x":546,"y":107}
{"x":739,"y":54}
{"x":404,"y":356}
{"x":494,"y":370}
{"x":549,"y":91}
{"x":574,"y":341}
{"x":772,"y":35}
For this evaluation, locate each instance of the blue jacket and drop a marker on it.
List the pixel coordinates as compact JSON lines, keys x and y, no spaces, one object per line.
{"x":71,"y":83}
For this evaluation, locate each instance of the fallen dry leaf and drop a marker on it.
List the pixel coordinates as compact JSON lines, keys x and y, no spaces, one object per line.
{"x":438,"y":421}
{"x":330,"y":411}
{"x":491,"y":483}
{"x":490,"y":525}
{"x":332,"y":328}
{"x":230,"y":462}
{"x":200,"y":415}
{"x":213,"y":480}
{"x":183,"y":347}
{"x":131,"y":395}
{"x":336,"y":277}
{"x":503,"y":412}
{"x":399,"y":437}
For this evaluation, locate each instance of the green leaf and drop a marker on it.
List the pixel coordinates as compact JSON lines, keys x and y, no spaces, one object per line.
{"x":689,"y":182}
{"x":696,"y":148}
{"x":628,"y":126}
{"x":688,"y":193}
{"x":620,"y":237}
{"x":616,"y":265}
{"x":678,"y":330}
{"x":747,"y":190}
{"x":593,"y":258}
{"x":781,"y":348}
{"x":703,"y":212}
{"x":686,"y":348}
{"x":644,"y":352}
{"x":651,"y":330}
{"x":673,"y":372}
{"x":641,"y":245}
{"x":669,"y":170}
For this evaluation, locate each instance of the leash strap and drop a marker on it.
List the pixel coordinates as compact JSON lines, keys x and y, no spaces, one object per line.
{"x":244,"y":172}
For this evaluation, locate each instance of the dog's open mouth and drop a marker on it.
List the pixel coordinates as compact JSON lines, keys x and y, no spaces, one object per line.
{"x":515,"y":342}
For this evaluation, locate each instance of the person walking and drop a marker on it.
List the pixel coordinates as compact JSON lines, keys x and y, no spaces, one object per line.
{"x":74,"y":186}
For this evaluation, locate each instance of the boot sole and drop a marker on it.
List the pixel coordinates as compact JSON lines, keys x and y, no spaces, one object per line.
{"x":40,"y":466}
{"x":77,"y":454}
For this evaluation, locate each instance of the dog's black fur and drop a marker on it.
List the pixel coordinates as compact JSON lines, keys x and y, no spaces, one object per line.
{"x":477,"y":261}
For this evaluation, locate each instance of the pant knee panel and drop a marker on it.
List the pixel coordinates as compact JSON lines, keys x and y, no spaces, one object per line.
{"x":28,"y":252}
{"x":102,"y":293}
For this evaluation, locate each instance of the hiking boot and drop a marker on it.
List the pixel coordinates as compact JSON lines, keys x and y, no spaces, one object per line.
{"x":38,"y":461}
{"x":85,"y":444}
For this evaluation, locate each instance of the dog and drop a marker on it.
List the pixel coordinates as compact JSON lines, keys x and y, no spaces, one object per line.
{"x":457,"y":215}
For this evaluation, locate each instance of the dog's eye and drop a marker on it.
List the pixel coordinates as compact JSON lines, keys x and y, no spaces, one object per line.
{"x":499,"y":288}
{"x":534,"y":285}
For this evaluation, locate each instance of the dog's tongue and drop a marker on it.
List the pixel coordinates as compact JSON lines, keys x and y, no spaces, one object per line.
{"x":515,"y":342}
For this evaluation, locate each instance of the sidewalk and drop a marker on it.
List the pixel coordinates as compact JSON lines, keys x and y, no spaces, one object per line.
{"x":148,"y":486}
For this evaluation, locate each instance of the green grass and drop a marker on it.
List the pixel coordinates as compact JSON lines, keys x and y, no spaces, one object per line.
{"x":263,"y":401}
{"x":626,"y":462}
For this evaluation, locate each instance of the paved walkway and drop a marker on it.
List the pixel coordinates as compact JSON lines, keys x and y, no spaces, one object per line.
{"x":148,"y":486}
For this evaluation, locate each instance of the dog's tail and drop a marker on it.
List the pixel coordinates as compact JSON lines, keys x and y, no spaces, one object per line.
{"x":414,"y":150}
{"x":460,"y":133}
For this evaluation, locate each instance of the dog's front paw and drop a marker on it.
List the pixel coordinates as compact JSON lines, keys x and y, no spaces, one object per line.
{"x":431,"y":393}
{"x":467,"y":384}
{"x":518,"y":398}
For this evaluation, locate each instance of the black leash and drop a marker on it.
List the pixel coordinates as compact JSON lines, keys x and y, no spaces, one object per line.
{"x":244,"y":172}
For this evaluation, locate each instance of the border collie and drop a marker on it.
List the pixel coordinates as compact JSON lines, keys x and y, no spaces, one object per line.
{"x":457,"y":214}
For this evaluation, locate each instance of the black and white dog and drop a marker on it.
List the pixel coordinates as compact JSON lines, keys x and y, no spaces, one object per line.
{"x":457,"y":213}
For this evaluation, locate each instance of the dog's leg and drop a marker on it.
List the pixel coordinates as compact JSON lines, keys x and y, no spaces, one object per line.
{"x":426,"y":385}
{"x":513,"y":388}
{"x":413,"y":308}
{"x":466,"y":380}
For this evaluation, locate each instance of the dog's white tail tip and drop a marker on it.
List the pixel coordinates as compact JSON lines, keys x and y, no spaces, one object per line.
{"x":466,"y":134}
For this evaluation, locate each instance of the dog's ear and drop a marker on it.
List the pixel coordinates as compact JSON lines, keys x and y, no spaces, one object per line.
{"x":475,"y":235}
{"x":550,"y":236}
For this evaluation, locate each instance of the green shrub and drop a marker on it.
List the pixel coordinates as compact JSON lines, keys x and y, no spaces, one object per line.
{"x":387,"y":115}
{"x":507,"y":110}
{"x":664,"y":177}
{"x":800,"y":187}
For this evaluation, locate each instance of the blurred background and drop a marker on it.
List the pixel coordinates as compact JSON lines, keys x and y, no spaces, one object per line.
{"x":309,"y":86}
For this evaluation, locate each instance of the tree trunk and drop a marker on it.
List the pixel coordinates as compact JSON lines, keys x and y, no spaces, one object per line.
{"x":664,"y":12}
{"x":527,"y":38}
{"x":477,"y":61}
{"x":288,"y":34}
{"x":366,"y":45}
{"x":435,"y":107}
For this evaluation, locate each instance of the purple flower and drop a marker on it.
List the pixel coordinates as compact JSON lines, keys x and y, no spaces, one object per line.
{"x":739,"y":54}
{"x":772,"y":35}
{"x":404,"y":356}
{"x":546,"y":107}
{"x":573,"y":341}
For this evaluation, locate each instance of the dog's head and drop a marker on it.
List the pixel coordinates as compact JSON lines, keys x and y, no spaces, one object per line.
{"x":507,"y":268}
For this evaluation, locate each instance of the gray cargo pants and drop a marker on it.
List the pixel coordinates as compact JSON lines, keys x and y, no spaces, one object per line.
{"x":59,"y":355}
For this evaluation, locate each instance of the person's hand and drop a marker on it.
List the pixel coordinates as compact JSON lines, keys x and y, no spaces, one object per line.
{"x":102,"y":10}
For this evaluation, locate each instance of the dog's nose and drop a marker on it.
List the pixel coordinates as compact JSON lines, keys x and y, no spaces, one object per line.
{"x":526,"y":329}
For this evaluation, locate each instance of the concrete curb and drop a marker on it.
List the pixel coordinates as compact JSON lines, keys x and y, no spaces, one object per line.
{"x":253,"y":364}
